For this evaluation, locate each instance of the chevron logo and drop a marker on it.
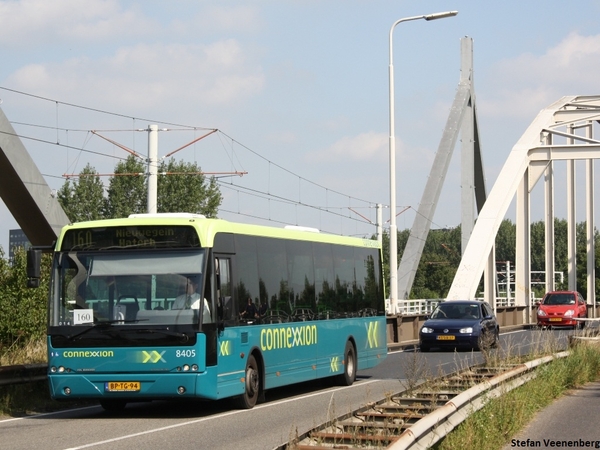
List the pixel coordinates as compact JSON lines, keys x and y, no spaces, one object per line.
{"x":372,"y":334}
{"x":152,"y":357}
{"x":333,"y":364}
{"x":225,"y":348}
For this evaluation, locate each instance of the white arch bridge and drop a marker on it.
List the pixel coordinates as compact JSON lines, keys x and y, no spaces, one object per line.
{"x":564,"y":131}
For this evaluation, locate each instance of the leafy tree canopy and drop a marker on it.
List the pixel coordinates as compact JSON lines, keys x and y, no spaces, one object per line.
{"x":181,"y":188}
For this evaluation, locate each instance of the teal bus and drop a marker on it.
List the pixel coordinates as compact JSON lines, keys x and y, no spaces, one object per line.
{"x":166,"y":306}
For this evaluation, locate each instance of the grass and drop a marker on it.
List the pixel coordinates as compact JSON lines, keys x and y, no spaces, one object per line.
{"x":502,"y":418}
{"x":25,"y":399}
{"x":31,"y":352}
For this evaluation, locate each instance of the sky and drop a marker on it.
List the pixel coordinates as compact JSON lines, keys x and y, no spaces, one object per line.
{"x":299,"y":91}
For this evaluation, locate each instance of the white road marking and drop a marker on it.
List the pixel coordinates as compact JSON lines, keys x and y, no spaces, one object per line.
{"x":204,"y":419}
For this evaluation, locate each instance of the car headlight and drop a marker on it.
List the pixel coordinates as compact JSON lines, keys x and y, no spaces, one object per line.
{"x":426,"y":330}
{"x":569,"y":313}
{"x":466,"y":330}
{"x":542,"y":313}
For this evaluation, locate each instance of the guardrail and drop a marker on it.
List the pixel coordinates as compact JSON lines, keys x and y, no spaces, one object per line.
{"x":23,"y":373}
{"x":436,"y":425}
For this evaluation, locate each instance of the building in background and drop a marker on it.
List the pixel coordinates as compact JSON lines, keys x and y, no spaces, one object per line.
{"x":16,"y":239}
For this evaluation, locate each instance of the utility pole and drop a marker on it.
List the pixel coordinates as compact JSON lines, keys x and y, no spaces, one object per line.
{"x":152,"y":168}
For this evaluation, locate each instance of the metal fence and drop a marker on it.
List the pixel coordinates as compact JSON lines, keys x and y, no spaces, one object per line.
{"x":426,"y":306}
{"x":23,"y":373}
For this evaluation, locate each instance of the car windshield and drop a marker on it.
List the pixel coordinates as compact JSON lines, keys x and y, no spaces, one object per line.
{"x":559,"y":299}
{"x":448,"y":310}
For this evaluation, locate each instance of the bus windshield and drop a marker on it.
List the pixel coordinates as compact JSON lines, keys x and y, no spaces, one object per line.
{"x":127,"y":288}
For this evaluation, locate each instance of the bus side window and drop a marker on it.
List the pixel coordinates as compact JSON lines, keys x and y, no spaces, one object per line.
{"x":224,"y":288}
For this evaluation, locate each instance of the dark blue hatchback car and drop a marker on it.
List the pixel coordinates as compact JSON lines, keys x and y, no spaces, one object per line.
{"x":460,"y":324}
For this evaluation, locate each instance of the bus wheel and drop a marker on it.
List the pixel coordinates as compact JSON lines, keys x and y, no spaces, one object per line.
{"x":113,"y":405}
{"x":349,"y":375}
{"x":252,"y":385}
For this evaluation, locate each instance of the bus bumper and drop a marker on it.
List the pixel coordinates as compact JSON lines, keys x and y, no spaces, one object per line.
{"x":132,"y":387}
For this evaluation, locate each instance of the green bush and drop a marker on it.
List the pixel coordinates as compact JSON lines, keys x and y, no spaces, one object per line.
{"x":23,"y":311}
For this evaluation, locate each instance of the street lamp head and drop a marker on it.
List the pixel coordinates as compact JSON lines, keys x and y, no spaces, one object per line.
{"x":441,"y":15}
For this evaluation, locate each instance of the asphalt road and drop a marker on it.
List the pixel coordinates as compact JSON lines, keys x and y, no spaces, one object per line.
{"x":287,"y":412}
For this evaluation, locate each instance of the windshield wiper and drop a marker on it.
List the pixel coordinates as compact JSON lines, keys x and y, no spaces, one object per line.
{"x":165,"y":331}
{"x":101,"y":326}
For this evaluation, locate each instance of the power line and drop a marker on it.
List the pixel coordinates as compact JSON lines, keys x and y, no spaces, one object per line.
{"x":290,"y":172}
{"x":58,"y":144}
{"x":233,"y":155}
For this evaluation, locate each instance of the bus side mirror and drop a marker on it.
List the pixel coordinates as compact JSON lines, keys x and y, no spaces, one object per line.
{"x":34,"y":264}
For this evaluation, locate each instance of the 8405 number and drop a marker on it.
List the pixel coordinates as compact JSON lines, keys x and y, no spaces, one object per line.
{"x":185,"y":353}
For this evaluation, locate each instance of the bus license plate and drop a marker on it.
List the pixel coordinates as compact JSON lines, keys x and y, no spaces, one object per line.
{"x":445,"y":338}
{"x":122,"y":386}
{"x":555,"y":319}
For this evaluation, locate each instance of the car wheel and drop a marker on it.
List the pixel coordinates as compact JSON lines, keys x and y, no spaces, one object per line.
{"x":496,"y":339}
{"x":486,"y":340}
{"x":479,"y":344}
{"x":424,"y":348}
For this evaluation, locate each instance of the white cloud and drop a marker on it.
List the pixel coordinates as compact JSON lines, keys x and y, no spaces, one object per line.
{"x":530,"y":82}
{"x":227,"y":18}
{"x":33,"y":23}
{"x":148,"y":75}
{"x":281,"y":137}
{"x":37,"y":22}
{"x":363,"y":147}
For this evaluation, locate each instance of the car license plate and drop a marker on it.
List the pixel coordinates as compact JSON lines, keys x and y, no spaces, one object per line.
{"x":555,"y":319}
{"x":445,"y":338}
{"x":122,"y":386}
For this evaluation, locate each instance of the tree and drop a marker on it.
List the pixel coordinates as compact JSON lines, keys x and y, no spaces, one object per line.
{"x":127,"y":193}
{"x":506,"y":239}
{"x":24,"y":310}
{"x":83,"y":199}
{"x":183,"y":188}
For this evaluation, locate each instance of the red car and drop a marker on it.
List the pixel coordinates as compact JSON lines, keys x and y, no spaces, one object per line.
{"x":560,"y":308}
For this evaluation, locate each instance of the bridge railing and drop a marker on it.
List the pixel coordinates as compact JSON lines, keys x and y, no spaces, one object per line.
{"x":426,"y":306}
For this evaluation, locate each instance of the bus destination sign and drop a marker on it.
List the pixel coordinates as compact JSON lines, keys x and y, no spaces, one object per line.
{"x":141,"y":236}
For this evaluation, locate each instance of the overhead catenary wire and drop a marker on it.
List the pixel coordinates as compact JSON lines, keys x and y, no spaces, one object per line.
{"x":230,"y":151}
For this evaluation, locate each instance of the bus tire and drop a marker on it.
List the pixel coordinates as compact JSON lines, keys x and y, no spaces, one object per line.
{"x":349,"y":375}
{"x":252,"y":385}
{"x":113,"y":405}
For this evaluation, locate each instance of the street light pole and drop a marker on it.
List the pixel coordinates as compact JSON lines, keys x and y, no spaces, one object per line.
{"x":393,"y":226}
